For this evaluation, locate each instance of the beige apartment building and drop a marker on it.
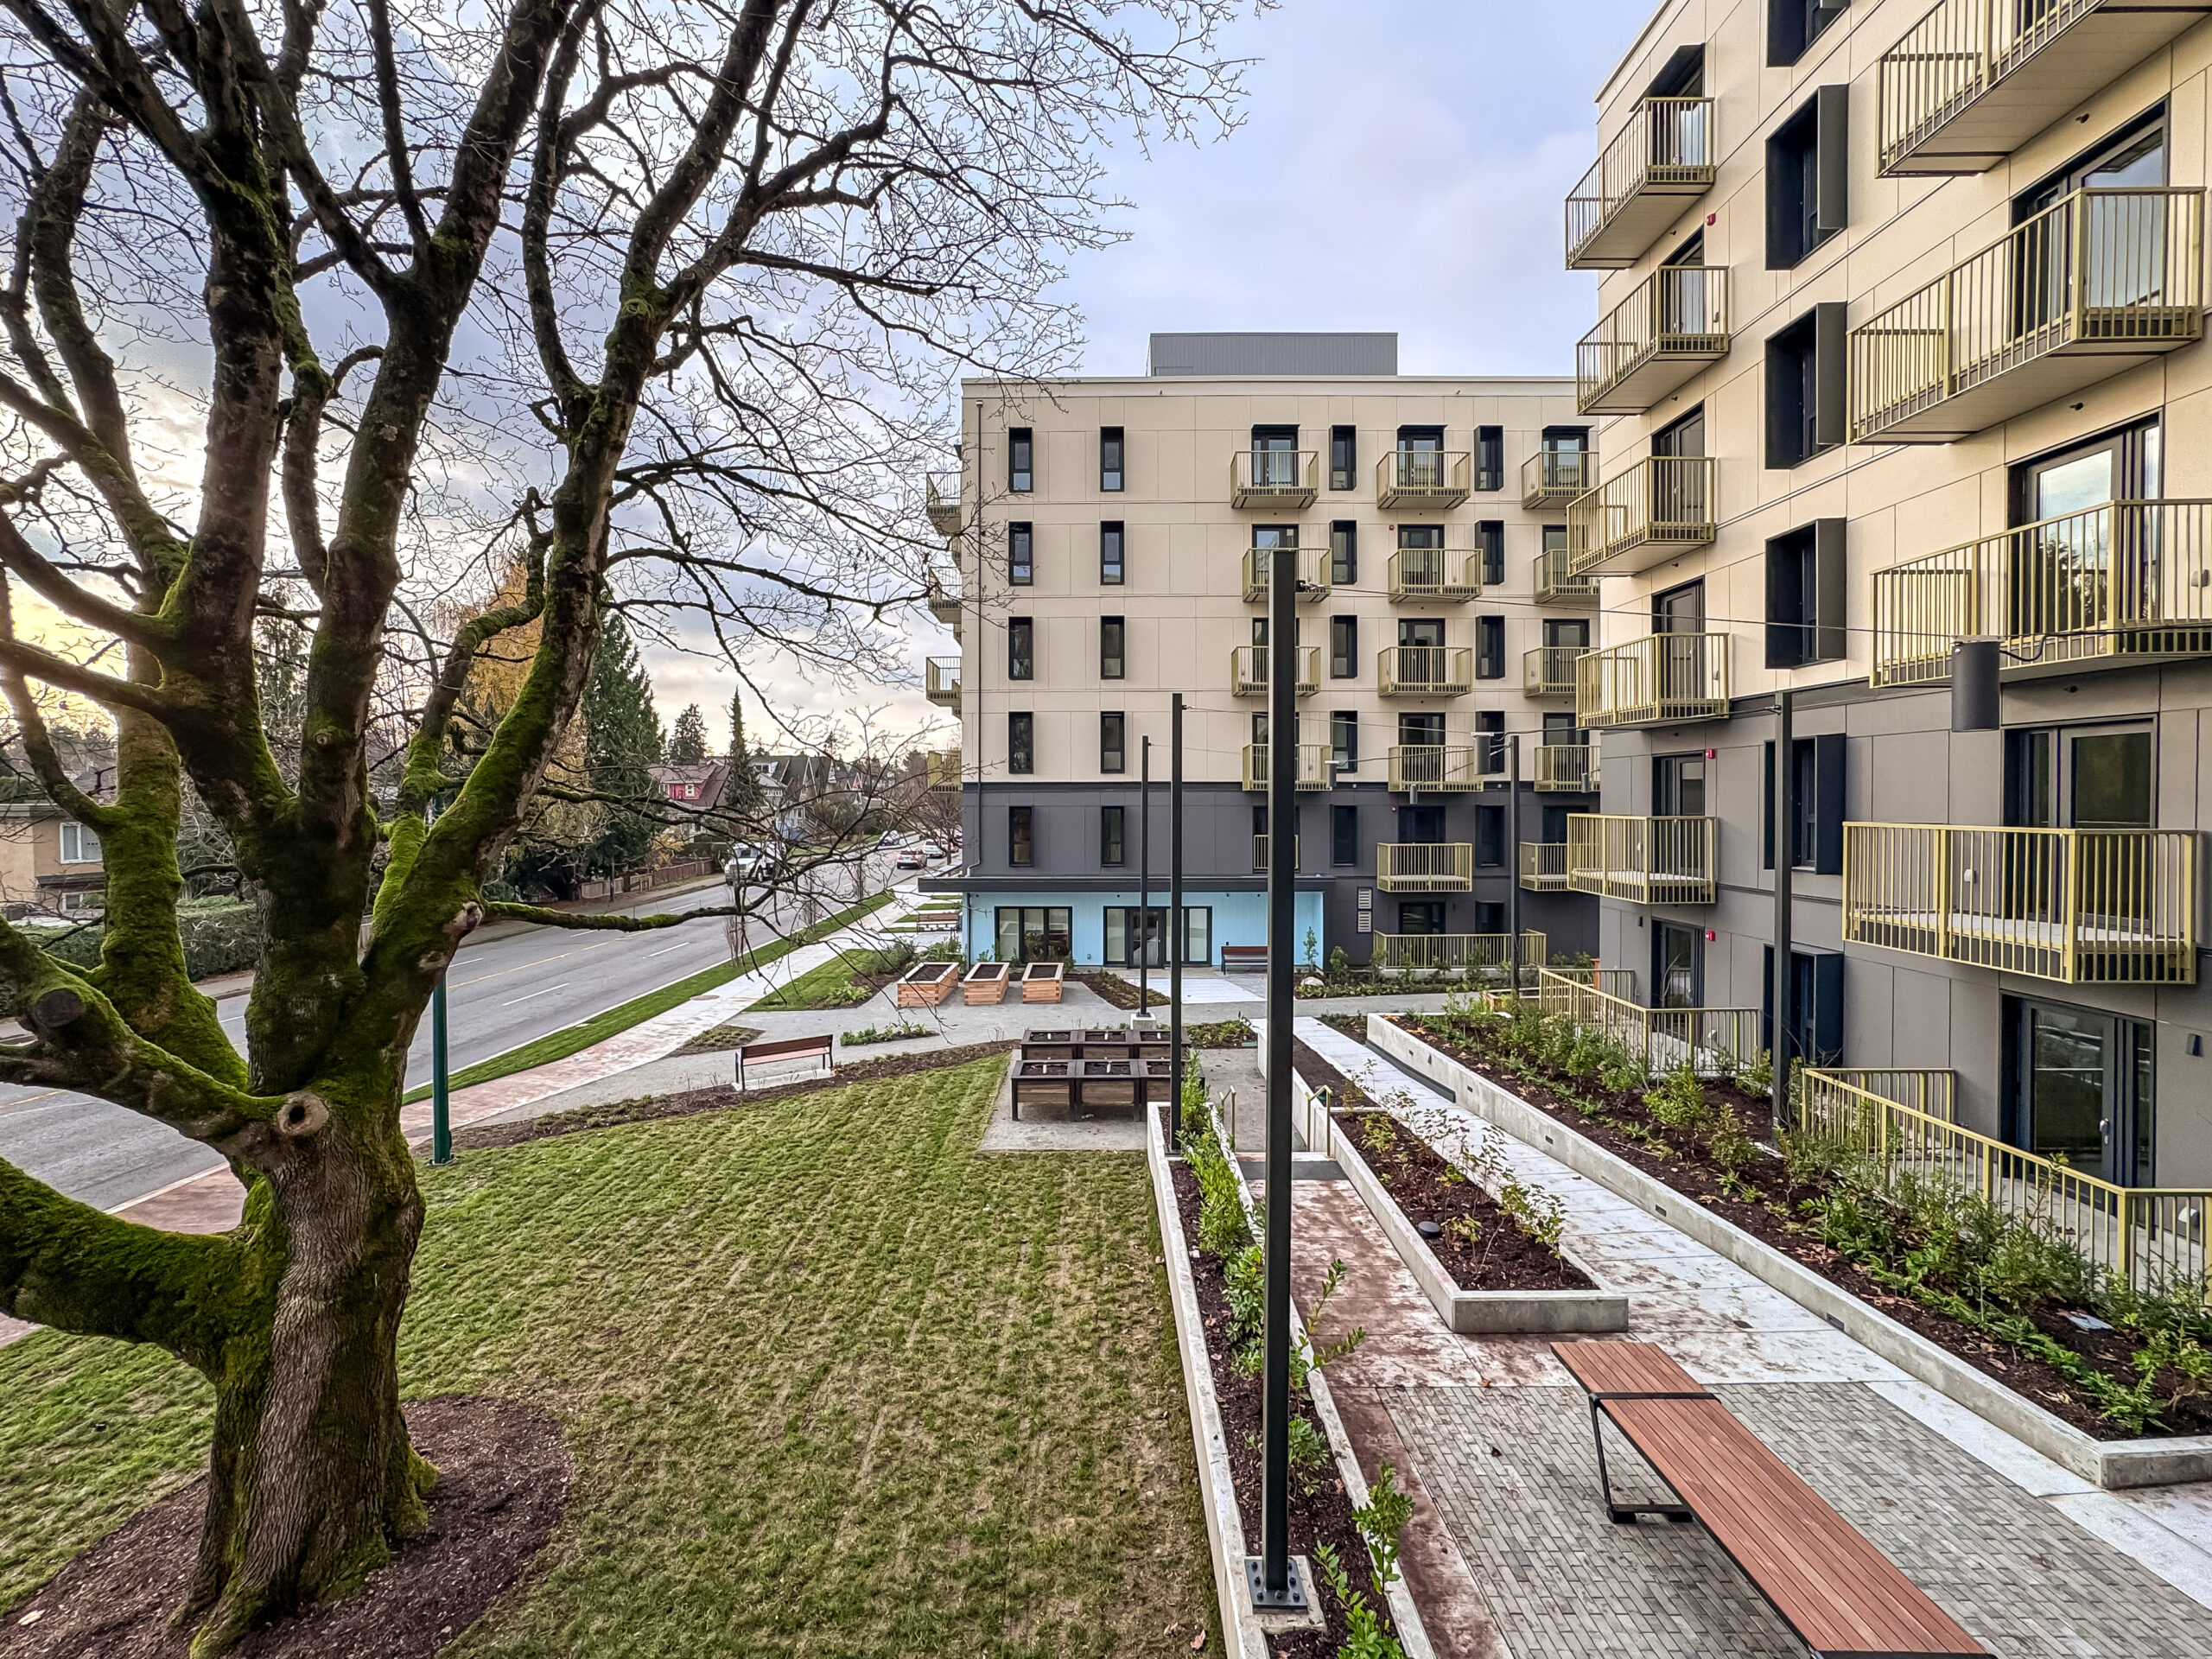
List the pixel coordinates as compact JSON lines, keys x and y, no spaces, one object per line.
{"x":1113,"y":537}
{"x":1900,"y":342}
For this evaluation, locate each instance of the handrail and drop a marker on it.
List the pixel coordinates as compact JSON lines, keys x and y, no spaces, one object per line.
{"x":1556,"y":476}
{"x":1489,"y":953}
{"x":942,"y":679}
{"x":1424,"y":865}
{"x":1440,"y":765}
{"x":1668,"y":500}
{"x":1543,"y":866}
{"x":1247,"y":669}
{"x":1262,"y":477}
{"x":1557,"y":583}
{"x":1313,"y":765}
{"x":1448,"y":573}
{"x":1411,"y":477}
{"x":1425,"y":671}
{"x":1953,"y":56}
{"x":1661,"y":676}
{"x":1713,"y":1042}
{"x":1564,"y":766}
{"x":1313,"y":565}
{"x":1678,"y":309}
{"x":1548,"y":670}
{"x":944,"y":768}
{"x":1652,"y":860}
{"x":1667,"y":141}
{"x":1260,"y":853}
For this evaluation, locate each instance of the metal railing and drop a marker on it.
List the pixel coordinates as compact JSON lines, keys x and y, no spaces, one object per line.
{"x":1441,"y":766}
{"x":2154,"y":1238}
{"x":1569,"y":766}
{"x":1313,"y":765}
{"x":1489,"y":954}
{"x":1260,"y":853}
{"x":944,"y":603}
{"x":2097,"y":272}
{"x":1424,"y":865}
{"x":1313,"y":573}
{"x":1679,"y":311}
{"x":1933,"y":1094}
{"x":1270,"y":477}
{"x":941,"y":681}
{"x":1668,"y":144}
{"x":1421,"y":478}
{"x":941,"y":501}
{"x":2081,"y":906}
{"x":1248,"y":670}
{"x":1552,"y":478}
{"x":1647,"y":860}
{"x":944,"y":767}
{"x":1557,"y":583}
{"x":1425,"y":671}
{"x":1661,"y":676}
{"x":1661,"y":504}
{"x":1613,"y":981}
{"x":1548,"y":670}
{"x":2125,"y":580}
{"x":1448,"y":573}
{"x":1543,"y":866}
{"x":1713,"y":1042}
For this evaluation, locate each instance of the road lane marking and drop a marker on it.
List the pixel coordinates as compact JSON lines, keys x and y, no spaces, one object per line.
{"x":548,"y":991}
{"x":685,"y":945}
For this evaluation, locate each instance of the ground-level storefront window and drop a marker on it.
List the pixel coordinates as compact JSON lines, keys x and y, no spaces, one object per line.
{"x":1035,"y":933}
{"x":1131,"y":932}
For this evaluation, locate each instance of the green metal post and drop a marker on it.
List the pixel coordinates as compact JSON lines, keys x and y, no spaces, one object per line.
{"x":441,"y":1120}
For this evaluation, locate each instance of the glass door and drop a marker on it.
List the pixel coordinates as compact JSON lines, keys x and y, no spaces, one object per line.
{"x":1421,"y":824}
{"x":1274,"y":456}
{"x":2081,"y":1088}
{"x":1035,"y":933}
{"x":1677,"y":966}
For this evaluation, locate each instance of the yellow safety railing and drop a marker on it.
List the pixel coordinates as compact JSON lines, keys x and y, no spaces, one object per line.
{"x":941,"y":681}
{"x":1932,"y":1092}
{"x":1424,"y":865}
{"x":2098,"y":271}
{"x":1313,"y":765}
{"x":1569,"y":766}
{"x":1260,"y":852}
{"x":1425,"y":671}
{"x":1647,"y":860}
{"x":2130,"y":579}
{"x":1555,"y":477}
{"x":1421,"y":478}
{"x":1459,"y":953}
{"x":1677,"y":311}
{"x":1667,"y":141}
{"x":1543,"y":866}
{"x":1442,"y":766}
{"x":1248,"y":670}
{"x":1661,"y":676}
{"x":1313,"y":565}
{"x":1448,"y":574}
{"x":2152,"y":1236}
{"x":1662,"y":502}
{"x":1713,"y":1042}
{"x":944,"y":767}
{"x":1557,"y":583}
{"x":1265,"y":478}
{"x":941,"y":501}
{"x":2079,"y":906}
{"x":1548,"y":670}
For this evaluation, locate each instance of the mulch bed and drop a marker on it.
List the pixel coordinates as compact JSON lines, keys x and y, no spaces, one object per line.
{"x":502,"y":1481}
{"x":1323,"y":1516}
{"x":1112,"y":988}
{"x":1768,"y":1215}
{"x":1220,"y":1033}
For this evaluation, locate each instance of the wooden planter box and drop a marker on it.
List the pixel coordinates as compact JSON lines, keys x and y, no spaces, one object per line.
{"x":986,"y":982}
{"x":1090,"y":1084}
{"x":928,"y":983}
{"x":1043,"y":982}
{"x":1044,"y":1083}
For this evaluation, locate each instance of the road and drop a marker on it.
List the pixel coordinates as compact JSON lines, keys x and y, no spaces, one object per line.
{"x":506,"y":988}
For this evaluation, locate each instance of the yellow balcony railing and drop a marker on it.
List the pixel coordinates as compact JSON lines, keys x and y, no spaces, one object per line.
{"x":2080,"y":907}
{"x":1441,"y":766}
{"x":2152,"y":1236}
{"x":1552,"y":478}
{"x":1671,"y":327}
{"x":941,"y":500}
{"x":941,"y":681}
{"x":1975,"y":80}
{"x":1313,"y":765}
{"x":1423,"y":480}
{"x":1548,"y":670}
{"x":2129,"y":582}
{"x":1637,"y":187}
{"x":1712,"y":1041}
{"x":1449,"y":576}
{"x":1490,"y":956}
{"x":2099,"y":280}
{"x":1248,"y":670}
{"x":1645,"y":861}
{"x":1260,"y":853}
{"x":1425,"y":671}
{"x":944,"y":767}
{"x":1660,"y":507}
{"x":1313,"y":573}
{"x":1569,"y":766}
{"x":1649,"y":682}
{"x":1425,"y":866}
{"x":1274,"y":477}
{"x":1543,"y":866}
{"x":1557,"y":583}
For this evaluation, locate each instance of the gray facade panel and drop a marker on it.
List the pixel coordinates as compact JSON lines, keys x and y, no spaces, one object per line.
{"x":1272,"y":353}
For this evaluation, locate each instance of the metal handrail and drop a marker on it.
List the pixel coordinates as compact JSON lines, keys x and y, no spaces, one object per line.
{"x":1485,"y":953}
{"x":1248,"y":670}
{"x":1543,"y":866}
{"x":1313,"y":765}
{"x":1548,"y":670}
{"x":1448,"y":573}
{"x":941,"y":501}
{"x":1662,"y":860}
{"x":941,"y":677}
{"x":1553,"y":476}
{"x":1564,"y":767}
{"x":944,"y":768}
{"x":1680,"y":310}
{"x":1260,"y":853}
{"x":1954,"y":55}
{"x":1667,"y":141}
{"x":1425,"y":671}
{"x":1557,"y":583}
{"x":1661,"y":676}
{"x":1313,"y":564}
{"x":1667,"y":500}
{"x":1712,"y":1041}
{"x":1424,"y":865}
{"x":1418,"y":477}
{"x":1267,"y":477}
{"x":1440,"y":765}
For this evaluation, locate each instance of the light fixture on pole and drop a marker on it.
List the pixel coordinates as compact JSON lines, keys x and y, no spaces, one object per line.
{"x":1975,"y":704}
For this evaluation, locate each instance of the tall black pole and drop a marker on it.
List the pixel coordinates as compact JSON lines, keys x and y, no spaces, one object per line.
{"x":1178,"y":928}
{"x":1270,"y":1577}
{"x":1144,"y":882}
{"x":1785,"y":819}
{"x":1513,"y":860}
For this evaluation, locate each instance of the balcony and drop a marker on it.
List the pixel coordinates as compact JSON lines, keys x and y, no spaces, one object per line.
{"x":944,"y":603}
{"x":1645,"y":860}
{"x":1657,"y":510}
{"x":1543,"y":866}
{"x":1260,"y":854}
{"x":2127,"y":582}
{"x":1421,"y":481}
{"x":1425,"y":671}
{"x":1552,"y":478}
{"x":944,"y":768}
{"x":1571,"y":767}
{"x":1632,"y":194}
{"x":1313,"y":573}
{"x":1653,"y":341}
{"x":941,"y":500}
{"x":1660,"y":679}
{"x":2097,"y":282}
{"x":1975,"y":80}
{"x":1446,"y":575}
{"x":1425,"y":866}
{"x":2079,"y":906}
{"x":1548,"y":670}
{"x":1557,"y":583}
{"x":1248,"y":670}
{"x":1441,"y":766}
{"x":1274,"y":477}
{"x":1313,"y":765}
{"x":1488,"y":955}
{"x":941,"y":681}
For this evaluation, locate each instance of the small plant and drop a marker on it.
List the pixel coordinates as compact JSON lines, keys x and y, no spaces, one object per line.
{"x":1378,"y":1132}
{"x":1381,"y":1519}
{"x":1312,"y":948}
{"x":1758,"y":1078}
{"x":1365,"y":1636}
{"x":1327,"y":1354}
{"x":1730,"y":1142}
{"x":900,"y":1033}
{"x":1678,"y":1100}
{"x":1339,"y":963}
{"x":1309,"y":1455}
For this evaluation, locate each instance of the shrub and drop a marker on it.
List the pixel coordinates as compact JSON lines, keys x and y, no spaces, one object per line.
{"x":1381,"y":1519}
{"x":1678,"y":1100}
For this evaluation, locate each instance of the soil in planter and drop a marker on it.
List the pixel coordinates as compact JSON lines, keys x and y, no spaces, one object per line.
{"x":1765,"y":1202}
{"x":1321,"y":1516}
{"x":1112,"y":988}
{"x":1501,"y":1256}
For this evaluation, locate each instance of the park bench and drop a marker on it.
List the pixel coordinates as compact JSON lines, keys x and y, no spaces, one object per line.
{"x":986,"y":982}
{"x":1244,"y":958}
{"x":1043,"y":982}
{"x":1841,"y":1595}
{"x":787,"y":1051}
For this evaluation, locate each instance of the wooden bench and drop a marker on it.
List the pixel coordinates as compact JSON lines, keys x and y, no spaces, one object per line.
{"x":1839,"y":1592}
{"x":791,"y":1049}
{"x":1244,"y":958}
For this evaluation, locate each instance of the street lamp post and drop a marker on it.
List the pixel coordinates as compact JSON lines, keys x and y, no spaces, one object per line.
{"x":1779,"y":994}
{"x":1144,"y":882}
{"x":440,"y":1114}
{"x":1178,"y":928}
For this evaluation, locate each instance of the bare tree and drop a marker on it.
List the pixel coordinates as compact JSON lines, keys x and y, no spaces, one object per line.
{"x":726,"y":256}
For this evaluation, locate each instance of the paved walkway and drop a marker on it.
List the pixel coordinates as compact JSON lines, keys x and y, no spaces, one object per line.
{"x":2031,"y":1559}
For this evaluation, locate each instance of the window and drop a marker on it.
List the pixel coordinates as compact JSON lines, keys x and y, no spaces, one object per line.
{"x":1113,"y":844}
{"x":1804,"y":386}
{"x":1343,"y":835}
{"x":1112,"y":746}
{"x":1805,"y":595}
{"x":2086,"y":778}
{"x":1021,"y":649}
{"x":1134,"y":937}
{"x":79,"y":845}
{"x":1419,"y":731}
{"x":2080,"y":1084}
{"x":1807,"y":187}
{"x":1490,"y":916}
{"x":1489,"y":647}
{"x":1021,"y":557}
{"x":1344,"y":553}
{"x":1109,"y":554}
{"x":1815,"y":995}
{"x":1275,"y":456}
{"x":1035,"y":933}
{"x":1489,"y":457}
{"x":1343,"y":739}
{"x":1021,"y":835}
{"x":1020,"y":459}
{"x":1489,"y":535}
{"x":84,"y":901}
{"x":1490,"y":739}
{"x":1816,"y":775}
{"x":1198,"y":932}
{"x":1344,"y":456}
{"x":1793,"y":25}
{"x":1110,"y":459}
{"x":1344,"y":648}
{"x":1555,"y":819}
{"x":1113,"y":657}
{"x":1020,"y":743}
{"x":1489,"y":834}
{"x":1567,"y":634}
{"x":1678,"y":786}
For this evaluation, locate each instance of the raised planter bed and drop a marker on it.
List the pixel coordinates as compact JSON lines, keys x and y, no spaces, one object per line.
{"x":1043,"y":982}
{"x":927,"y":984}
{"x":986,"y":982}
{"x":1090,"y":1084}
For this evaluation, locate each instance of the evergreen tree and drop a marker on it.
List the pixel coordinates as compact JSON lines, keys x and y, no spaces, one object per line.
{"x":741,"y":794}
{"x":688,"y":747}
{"x":622,"y":742}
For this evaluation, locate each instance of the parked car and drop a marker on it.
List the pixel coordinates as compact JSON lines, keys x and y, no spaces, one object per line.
{"x":912,"y":859}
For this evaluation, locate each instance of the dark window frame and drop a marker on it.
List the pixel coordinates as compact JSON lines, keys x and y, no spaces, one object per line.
{"x":1489,"y":535}
{"x":1113,"y":461}
{"x":1490,"y":458}
{"x":1807,"y":594}
{"x":1020,"y":744}
{"x":1022,"y":554}
{"x":1793,"y":27}
{"x":1489,"y":647}
{"x":1489,"y":836}
{"x":1816,"y":830}
{"x":1113,"y":741}
{"x":1112,"y":648}
{"x":1113,"y":836}
{"x":1805,"y":376}
{"x":1020,"y":459}
{"x":1344,"y":552}
{"x":1808,"y":178}
{"x":1343,"y":457}
{"x":1113,"y":553}
{"x":1344,"y":752}
{"x":1021,"y":648}
{"x":1021,"y":837}
{"x":1343,"y":665}
{"x":1343,"y":837}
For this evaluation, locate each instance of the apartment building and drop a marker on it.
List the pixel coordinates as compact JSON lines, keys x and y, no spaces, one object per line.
{"x":1112,"y":538}
{"x":1900,"y":343}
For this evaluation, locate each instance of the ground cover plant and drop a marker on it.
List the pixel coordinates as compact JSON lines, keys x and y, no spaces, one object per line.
{"x":1234,"y":1032}
{"x":831,"y":1382}
{"x":903,"y":1032}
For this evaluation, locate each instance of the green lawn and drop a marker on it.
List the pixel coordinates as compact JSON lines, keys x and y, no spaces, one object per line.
{"x":825,"y":985}
{"x":836,"y":1384}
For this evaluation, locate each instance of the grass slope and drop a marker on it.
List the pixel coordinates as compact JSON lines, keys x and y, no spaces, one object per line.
{"x":829,"y":984}
{"x":836,"y":1385}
